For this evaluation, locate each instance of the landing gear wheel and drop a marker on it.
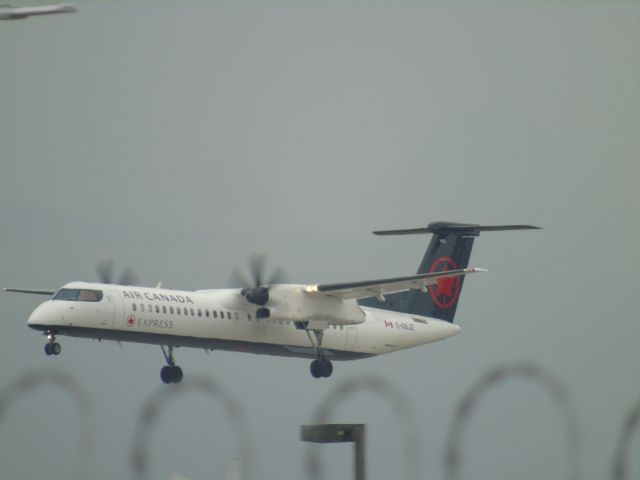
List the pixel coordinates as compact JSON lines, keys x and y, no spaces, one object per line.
{"x":165,"y":375}
{"x":51,"y":347}
{"x":326,"y":368}
{"x":315,"y":369}
{"x":175,"y":373}
{"x":170,"y":373}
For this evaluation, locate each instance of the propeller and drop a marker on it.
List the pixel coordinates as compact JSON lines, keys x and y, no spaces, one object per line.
{"x":106,"y":275}
{"x":256,"y":288}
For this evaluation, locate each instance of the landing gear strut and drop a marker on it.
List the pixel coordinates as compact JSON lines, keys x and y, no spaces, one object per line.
{"x":51,"y":347}
{"x":170,"y":373}
{"x":320,"y":367}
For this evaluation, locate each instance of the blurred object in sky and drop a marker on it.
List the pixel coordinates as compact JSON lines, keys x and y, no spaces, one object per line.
{"x":495,"y":376}
{"x":10,"y":12}
{"x":621,"y":458}
{"x":28,"y":381}
{"x":106,"y":275}
{"x":148,"y":418}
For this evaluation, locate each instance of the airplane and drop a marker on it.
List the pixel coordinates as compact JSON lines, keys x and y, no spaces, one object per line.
{"x":325,"y":322}
{"x":10,"y":12}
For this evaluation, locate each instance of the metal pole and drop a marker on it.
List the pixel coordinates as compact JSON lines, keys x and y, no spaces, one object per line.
{"x":358,"y":448}
{"x":334,"y":433}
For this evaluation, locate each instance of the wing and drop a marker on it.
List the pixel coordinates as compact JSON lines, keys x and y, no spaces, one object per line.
{"x":377,"y":288}
{"x":26,"y":290}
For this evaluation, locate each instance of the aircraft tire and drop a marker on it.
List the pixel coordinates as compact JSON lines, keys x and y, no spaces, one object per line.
{"x":315,"y":369}
{"x":47,"y":349}
{"x":175,"y":374}
{"x":55,"y":348}
{"x":165,"y":374}
{"x":326,"y":368}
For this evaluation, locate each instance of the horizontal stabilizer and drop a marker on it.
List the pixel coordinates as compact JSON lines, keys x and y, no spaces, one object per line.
{"x":443,"y":227}
{"x":379,"y":288}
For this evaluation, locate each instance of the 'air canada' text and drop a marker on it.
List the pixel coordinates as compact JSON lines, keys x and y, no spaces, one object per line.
{"x":157,"y":297}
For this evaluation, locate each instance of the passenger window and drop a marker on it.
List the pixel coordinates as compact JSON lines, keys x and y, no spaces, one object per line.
{"x":235,"y":314}
{"x":134,"y":307}
{"x":157,"y":309}
{"x":229,"y":315}
{"x":164,"y":309}
{"x":142,"y":307}
{"x":206,"y":312}
{"x":192,"y":312}
{"x":249,"y":316}
{"x":178,"y":310}
{"x":215,"y":314}
{"x":199,"y":312}
{"x":171,"y":310}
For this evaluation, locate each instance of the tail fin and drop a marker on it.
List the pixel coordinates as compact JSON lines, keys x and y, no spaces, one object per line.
{"x":449,"y":249}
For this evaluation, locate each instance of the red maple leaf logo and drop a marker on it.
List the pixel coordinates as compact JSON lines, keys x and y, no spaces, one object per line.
{"x":446,"y":290}
{"x":444,"y":286}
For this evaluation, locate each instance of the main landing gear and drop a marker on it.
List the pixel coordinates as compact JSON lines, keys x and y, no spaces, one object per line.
{"x":320,"y":367}
{"x":51,"y":347}
{"x":170,"y":373}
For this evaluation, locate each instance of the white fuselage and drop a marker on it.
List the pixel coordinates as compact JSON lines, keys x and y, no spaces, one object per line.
{"x":222,"y":319}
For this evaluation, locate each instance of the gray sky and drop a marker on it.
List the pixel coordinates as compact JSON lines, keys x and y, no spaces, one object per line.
{"x":179,"y":137}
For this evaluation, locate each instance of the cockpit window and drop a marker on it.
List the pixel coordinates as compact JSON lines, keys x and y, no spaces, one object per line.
{"x":89,"y":295}
{"x":79,"y":295}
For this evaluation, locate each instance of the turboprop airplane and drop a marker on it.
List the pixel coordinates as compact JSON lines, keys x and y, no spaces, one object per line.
{"x":325,"y":322}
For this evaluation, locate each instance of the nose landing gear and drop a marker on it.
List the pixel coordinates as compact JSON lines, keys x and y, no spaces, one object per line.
{"x":170,"y":373}
{"x":51,"y":347}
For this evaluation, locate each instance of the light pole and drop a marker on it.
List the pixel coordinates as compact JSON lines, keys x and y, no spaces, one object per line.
{"x":339,"y":432}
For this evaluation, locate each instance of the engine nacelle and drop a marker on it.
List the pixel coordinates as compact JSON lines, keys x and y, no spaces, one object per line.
{"x":294,"y":303}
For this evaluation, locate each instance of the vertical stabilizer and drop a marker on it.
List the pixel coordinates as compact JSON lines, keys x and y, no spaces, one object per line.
{"x":449,"y":249}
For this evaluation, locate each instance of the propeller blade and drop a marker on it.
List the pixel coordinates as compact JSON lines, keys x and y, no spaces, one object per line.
{"x":256,"y":265}
{"x":255,"y":292}
{"x":128,"y":277}
{"x":238,"y":280}
{"x":278,"y":276}
{"x":105,"y":270}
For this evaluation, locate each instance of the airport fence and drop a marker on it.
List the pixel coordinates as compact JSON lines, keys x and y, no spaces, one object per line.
{"x":150,"y":415}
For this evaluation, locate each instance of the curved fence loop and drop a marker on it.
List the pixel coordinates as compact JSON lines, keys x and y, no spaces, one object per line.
{"x":396,"y":400}
{"x":30,"y":380}
{"x":150,"y":415}
{"x":497,"y":375}
{"x":620,"y":459}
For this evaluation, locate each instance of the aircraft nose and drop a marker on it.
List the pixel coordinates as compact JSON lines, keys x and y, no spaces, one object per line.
{"x":39,"y":316}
